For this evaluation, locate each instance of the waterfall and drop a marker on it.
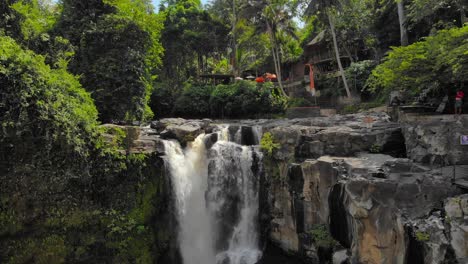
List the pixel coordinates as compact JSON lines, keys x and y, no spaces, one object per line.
{"x":188,"y":171}
{"x":217,"y":200}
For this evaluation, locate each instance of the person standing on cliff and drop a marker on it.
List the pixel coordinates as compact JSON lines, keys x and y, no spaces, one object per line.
{"x":459,"y":101}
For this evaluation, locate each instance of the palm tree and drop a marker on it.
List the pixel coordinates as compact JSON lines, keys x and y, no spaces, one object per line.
{"x":272,"y":17}
{"x":326,"y":7}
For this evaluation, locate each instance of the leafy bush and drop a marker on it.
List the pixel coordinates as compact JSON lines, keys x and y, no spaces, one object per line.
{"x":240,"y":99}
{"x":163,"y":98}
{"x":322,"y":236}
{"x":375,"y":148}
{"x":44,"y":111}
{"x":422,"y":236}
{"x":358,"y":73}
{"x":194,"y":102}
{"x":244,"y":98}
{"x":437,"y":61}
{"x":268,"y":144}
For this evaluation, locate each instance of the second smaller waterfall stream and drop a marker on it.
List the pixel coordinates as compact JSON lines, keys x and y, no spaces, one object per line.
{"x":217,"y":204}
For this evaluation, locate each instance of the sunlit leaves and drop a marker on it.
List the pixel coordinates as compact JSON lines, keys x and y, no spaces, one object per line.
{"x":438,"y":61}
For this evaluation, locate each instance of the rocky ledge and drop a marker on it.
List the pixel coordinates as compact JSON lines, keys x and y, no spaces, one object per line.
{"x":346,"y":190}
{"x":342,"y":189}
{"x":350,"y":189}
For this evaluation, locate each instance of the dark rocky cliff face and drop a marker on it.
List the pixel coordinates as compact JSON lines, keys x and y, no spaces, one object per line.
{"x":113,"y":211}
{"x":356,"y":182}
{"x":335,"y":191}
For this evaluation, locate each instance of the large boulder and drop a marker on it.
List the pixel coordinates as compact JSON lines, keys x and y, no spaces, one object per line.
{"x":336,"y":136}
{"x":180,"y":129}
{"x":436,"y":139}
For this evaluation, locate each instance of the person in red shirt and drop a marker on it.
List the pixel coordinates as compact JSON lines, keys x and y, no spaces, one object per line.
{"x":459,"y":101}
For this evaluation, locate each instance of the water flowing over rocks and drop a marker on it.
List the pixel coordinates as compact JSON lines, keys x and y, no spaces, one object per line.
{"x":341,"y":189}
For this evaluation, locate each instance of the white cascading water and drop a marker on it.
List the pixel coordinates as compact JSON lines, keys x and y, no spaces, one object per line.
{"x":188,"y":171}
{"x":233,"y":195}
{"x":217,"y":201}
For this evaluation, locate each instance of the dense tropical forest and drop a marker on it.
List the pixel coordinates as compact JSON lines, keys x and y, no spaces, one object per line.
{"x":72,"y":71}
{"x":67,"y":66}
{"x":138,"y":61}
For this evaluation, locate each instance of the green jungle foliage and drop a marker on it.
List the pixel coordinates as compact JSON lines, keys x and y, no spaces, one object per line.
{"x":117,"y":53}
{"x":37,"y":21}
{"x":438,"y":62}
{"x":268,"y":144}
{"x":321,"y":236}
{"x":163,"y":98}
{"x":240,"y":99}
{"x":190,"y":36}
{"x":356,"y":74}
{"x":9,"y":19}
{"x":44,"y":110}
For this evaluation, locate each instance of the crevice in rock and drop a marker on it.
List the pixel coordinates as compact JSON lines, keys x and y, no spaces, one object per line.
{"x":415,"y":249}
{"x":338,"y":216}
{"x":275,"y":255}
{"x":325,"y":255}
{"x":296,"y":185}
{"x":395,"y":145}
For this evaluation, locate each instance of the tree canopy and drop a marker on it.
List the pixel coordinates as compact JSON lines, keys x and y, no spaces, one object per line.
{"x":438,"y":62}
{"x":44,"y":111}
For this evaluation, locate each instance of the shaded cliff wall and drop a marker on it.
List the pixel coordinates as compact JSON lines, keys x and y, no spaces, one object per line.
{"x":325,"y":192}
{"x":113,"y":210}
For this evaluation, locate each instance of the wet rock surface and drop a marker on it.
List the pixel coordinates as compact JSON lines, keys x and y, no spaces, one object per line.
{"x":345,"y":181}
{"x":354,"y":179}
{"x":342,"y":189}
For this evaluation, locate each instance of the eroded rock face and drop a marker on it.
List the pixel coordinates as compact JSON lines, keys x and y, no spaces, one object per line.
{"x":337,"y":136}
{"x":436,"y":139}
{"x":181,"y":129}
{"x":456,"y":210}
{"x":380,"y":208}
{"x":300,"y":204}
{"x":427,"y":240}
{"x":366,"y":201}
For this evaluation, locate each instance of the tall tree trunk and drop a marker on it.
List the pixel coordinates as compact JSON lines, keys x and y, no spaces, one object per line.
{"x":461,"y":7}
{"x":279,"y":72}
{"x":234,"y":40}
{"x":402,"y":21}
{"x":337,"y":53}
{"x":276,"y":58}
